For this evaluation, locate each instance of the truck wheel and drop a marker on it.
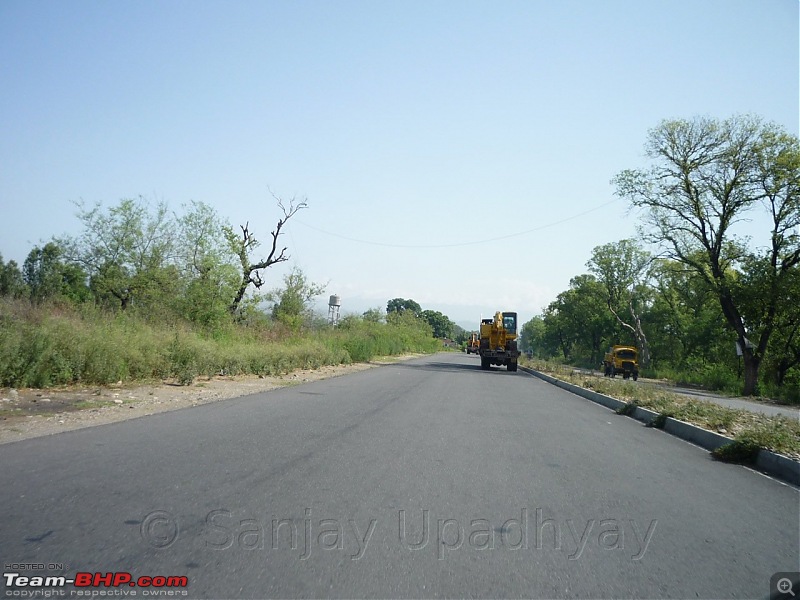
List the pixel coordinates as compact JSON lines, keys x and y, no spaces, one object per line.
{"x":485,"y":363}
{"x":625,"y":375}
{"x":512,"y":365}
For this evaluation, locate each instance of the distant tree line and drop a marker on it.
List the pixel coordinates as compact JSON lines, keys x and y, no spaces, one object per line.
{"x":139,"y":256}
{"x":441,"y":324}
{"x":709,"y":306}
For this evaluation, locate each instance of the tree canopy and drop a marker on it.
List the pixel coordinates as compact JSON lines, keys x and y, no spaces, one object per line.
{"x":705,"y":176}
{"x":623,"y":268}
{"x":291,"y":303}
{"x":402,"y":305}
{"x":442,"y":326}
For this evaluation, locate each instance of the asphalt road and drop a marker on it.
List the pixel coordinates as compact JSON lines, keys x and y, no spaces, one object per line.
{"x":427,"y":478}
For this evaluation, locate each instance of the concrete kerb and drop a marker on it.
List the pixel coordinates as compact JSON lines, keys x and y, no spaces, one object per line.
{"x":774,"y":464}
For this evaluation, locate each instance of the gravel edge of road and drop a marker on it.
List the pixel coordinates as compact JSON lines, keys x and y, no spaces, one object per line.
{"x":125,"y":402}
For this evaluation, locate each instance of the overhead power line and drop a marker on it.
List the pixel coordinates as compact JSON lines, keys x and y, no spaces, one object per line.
{"x":458,"y":244}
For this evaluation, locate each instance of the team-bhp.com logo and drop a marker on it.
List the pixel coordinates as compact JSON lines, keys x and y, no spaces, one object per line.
{"x":88,"y":584}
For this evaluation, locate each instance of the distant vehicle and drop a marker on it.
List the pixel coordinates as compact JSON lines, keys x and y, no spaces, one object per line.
{"x":473,"y":343}
{"x":498,"y":345}
{"x":621,"y":359}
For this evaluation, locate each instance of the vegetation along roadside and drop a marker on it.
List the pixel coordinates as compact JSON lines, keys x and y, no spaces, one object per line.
{"x":749,"y":430}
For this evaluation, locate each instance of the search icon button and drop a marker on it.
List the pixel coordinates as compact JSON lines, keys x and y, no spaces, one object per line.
{"x":784,"y":586}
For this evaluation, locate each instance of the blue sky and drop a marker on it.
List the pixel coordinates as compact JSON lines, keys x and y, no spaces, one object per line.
{"x":420,"y":132}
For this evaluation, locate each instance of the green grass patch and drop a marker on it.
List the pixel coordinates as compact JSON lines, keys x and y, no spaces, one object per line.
{"x":83,"y":404}
{"x":659,"y":421}
{"x":627,"y":409}
{"x":739,"y":452}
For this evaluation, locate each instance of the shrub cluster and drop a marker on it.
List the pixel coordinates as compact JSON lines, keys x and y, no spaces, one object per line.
{"x":50,"y":345}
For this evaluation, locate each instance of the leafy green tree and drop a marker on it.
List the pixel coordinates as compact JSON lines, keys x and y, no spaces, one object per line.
{"x":532,"y":337}
{"x":687,"y":324}
{"x":406,"y":319}
{"x":557,"y":338}
{"x":578,"y":324}
{"x":125,"y":250}
{"x":441,"y":325}
{"x":401,"y":305}
{"x":291,"y":303}
{"x":784,"y":347}
{"x":705,"y":176}
{"x":48,"y":276}
{"x":208,"y":267}
{"x":202,"y":245}
{"x":623,"y":268}
{"x":374,"y":315}
{"x":12,"y":283}
{"x":244,"y":245}
{"x":459,"y":334}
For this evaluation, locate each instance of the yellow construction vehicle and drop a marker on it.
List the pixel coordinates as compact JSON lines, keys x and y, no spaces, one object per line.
{"x":621,"y":359}
{"x":498,"y":345}
{"x":473,"y":344}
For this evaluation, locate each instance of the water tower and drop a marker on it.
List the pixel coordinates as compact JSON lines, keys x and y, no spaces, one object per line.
{"x":334,"y":302}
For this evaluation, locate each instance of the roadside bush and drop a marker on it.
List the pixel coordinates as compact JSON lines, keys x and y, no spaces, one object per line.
{"x":43,"y":346}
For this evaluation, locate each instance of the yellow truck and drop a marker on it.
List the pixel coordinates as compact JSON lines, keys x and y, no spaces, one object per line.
{"x":621,"y":360}
{"x":473,"y":343}
{"x":498,"y":344}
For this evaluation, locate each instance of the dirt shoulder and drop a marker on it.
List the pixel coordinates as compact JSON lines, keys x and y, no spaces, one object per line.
{"x":29,"y":413}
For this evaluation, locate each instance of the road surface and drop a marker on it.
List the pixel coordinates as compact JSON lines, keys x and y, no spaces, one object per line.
{"x":427,"y":478}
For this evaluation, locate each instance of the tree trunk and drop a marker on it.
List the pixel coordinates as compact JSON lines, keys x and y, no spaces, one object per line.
{"x":751,"y":364}
{"x":751,"y":358}
{"x":780,"y":371}
{"x":124,"y":299}
{"x":234,"y":306}
{"x":563,"y":345}
{"x":641,"y":339}
{"x":637,"y":331}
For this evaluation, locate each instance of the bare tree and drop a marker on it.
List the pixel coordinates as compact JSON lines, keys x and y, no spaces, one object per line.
{"x":243,"y":245}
